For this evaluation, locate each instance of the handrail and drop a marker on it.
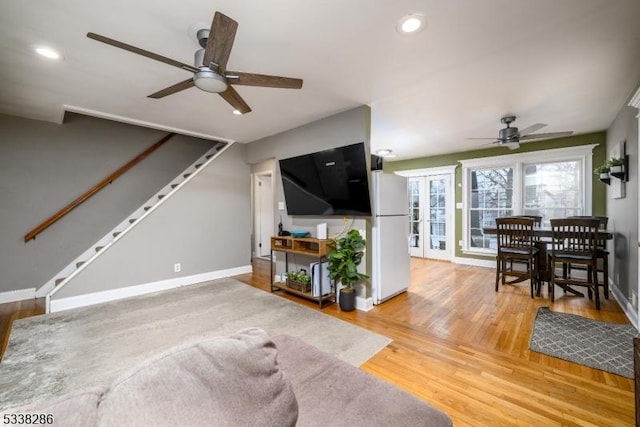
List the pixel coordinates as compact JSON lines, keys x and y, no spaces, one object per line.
{"x":99,"y":186}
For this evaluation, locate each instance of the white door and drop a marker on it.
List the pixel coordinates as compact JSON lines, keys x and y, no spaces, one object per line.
{"x":431,"y":200}
{"x":263,"y":219}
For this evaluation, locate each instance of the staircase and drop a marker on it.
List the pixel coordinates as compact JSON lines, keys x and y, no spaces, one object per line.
{"x":87,"y":257}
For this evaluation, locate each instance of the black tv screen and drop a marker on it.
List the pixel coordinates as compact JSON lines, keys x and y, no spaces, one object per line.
{"x":329,"y":182}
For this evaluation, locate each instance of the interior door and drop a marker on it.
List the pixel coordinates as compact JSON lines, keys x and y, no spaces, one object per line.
{"x":436,"y":220}
{"x":263,"y":221}
{"x":431,"y":217}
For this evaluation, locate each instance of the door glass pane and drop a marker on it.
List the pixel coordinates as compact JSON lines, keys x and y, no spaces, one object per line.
{"x":414,"y":209}
{"x":437,"y":214}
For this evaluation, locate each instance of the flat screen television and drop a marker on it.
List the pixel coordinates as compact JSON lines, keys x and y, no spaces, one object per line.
{"x":327,"y":183}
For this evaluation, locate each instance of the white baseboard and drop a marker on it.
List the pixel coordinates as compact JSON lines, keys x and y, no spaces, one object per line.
{"x":18,"y":295}
{"x":491,"y":263}
{"x":626,"y":306}
{"x":68,"y":303}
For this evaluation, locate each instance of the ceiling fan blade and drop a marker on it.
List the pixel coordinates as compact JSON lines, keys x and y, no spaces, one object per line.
{"x":531,"y":129}
{"x":545,"y":135}
{"x":142,"y":52}
{"x":232,"y":97}
{"x":173,"y":89}
{"x":221,"y":36}
{"x":483,"y":138}
{"x":263,"y":80}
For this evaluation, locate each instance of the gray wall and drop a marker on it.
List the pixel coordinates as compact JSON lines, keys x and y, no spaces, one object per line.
{"x":204,"y":226}
{"x":345,"y":128}
{"x":44,"y":166}
{"x":623,"y":213}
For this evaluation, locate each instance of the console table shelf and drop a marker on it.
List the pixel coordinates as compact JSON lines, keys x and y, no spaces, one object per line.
{"x":317,"y":248}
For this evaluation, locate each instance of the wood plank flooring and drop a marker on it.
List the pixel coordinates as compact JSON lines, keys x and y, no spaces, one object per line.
{"x":464,"y":348}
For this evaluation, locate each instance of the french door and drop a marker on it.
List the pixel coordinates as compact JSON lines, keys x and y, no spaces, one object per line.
{"x":431,"y":221}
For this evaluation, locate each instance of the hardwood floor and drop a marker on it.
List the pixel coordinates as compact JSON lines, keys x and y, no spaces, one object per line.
{"x":16,"y":310}
{"x":464,"y":348}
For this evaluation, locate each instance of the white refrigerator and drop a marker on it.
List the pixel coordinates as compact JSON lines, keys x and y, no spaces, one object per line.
{"x":390,"y":273}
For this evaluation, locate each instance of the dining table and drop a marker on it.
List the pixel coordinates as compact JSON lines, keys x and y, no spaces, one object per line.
{"x":542,"y":237}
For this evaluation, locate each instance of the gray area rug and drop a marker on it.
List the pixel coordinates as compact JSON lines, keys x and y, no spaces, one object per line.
{"x":600,"y":345}
{"x":61,"y":352}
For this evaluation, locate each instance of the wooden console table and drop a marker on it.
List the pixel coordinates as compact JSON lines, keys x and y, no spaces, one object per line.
{"x":316,"y":248}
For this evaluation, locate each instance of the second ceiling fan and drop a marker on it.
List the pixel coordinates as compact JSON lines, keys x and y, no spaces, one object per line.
{"x":511,"y":137}
{"x":210,"y":70}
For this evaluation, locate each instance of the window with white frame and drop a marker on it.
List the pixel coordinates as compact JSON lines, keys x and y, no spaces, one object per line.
{"x":551,"y":184}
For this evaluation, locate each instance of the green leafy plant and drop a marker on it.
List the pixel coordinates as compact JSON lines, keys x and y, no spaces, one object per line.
{"x":616,"y":161}
{"x":604,"y":168}
{"x":299,"y":276}
{"x":345,"y":258}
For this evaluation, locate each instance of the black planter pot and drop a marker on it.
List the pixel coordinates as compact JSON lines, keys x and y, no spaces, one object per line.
{"x":347,"y":300}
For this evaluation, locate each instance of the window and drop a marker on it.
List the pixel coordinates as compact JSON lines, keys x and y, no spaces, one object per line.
{"x":491,"y":197}
{"x":553,"y":190}
{"x":523,"y":184}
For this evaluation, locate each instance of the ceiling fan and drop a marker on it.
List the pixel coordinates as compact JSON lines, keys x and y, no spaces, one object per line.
{"x":210,"y":70}
{"x":511,"y":136}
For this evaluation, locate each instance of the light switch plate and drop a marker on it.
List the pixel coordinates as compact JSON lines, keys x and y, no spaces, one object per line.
{"x":280,"y":206}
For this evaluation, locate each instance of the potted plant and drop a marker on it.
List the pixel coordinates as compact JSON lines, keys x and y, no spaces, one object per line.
{"x":602,"y":172}
{"x":343,"y":267}
{"x":616,"y":167}
{"x":299,"y":280}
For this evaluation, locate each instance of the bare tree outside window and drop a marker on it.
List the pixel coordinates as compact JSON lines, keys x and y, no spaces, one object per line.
{"x":491,"y":197}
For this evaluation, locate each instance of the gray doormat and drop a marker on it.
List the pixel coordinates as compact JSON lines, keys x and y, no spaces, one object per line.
{"x":593,"y":343}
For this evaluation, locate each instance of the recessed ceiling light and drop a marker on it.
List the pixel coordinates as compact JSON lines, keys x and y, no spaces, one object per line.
{"x":411,"y":23}
{"x":386,"y":153}
{"x":47,"y":52}
{"x":237,"y":112}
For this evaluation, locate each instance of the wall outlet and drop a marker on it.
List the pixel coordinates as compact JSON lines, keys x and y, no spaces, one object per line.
{"x":460,"y":243}
{"x":177,"y":267}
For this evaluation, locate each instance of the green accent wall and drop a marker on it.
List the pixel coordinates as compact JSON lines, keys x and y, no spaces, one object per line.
{"x":599,"y":200}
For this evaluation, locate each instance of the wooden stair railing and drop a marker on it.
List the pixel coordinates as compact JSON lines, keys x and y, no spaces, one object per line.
{"x":99,"y":186}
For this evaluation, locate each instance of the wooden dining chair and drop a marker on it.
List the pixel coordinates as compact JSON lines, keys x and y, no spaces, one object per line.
{"x":603,"y":253}
{"x":574,"y":243}
{"x":537,"y":222}
{"x":515,"y":243}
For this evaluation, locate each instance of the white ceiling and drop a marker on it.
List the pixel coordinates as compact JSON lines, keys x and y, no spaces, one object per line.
{"x":569,"y":63}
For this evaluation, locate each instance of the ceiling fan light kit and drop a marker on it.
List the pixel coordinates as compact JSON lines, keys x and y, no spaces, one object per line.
{"x":210,"y":81}
{"x":209,"y":72}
